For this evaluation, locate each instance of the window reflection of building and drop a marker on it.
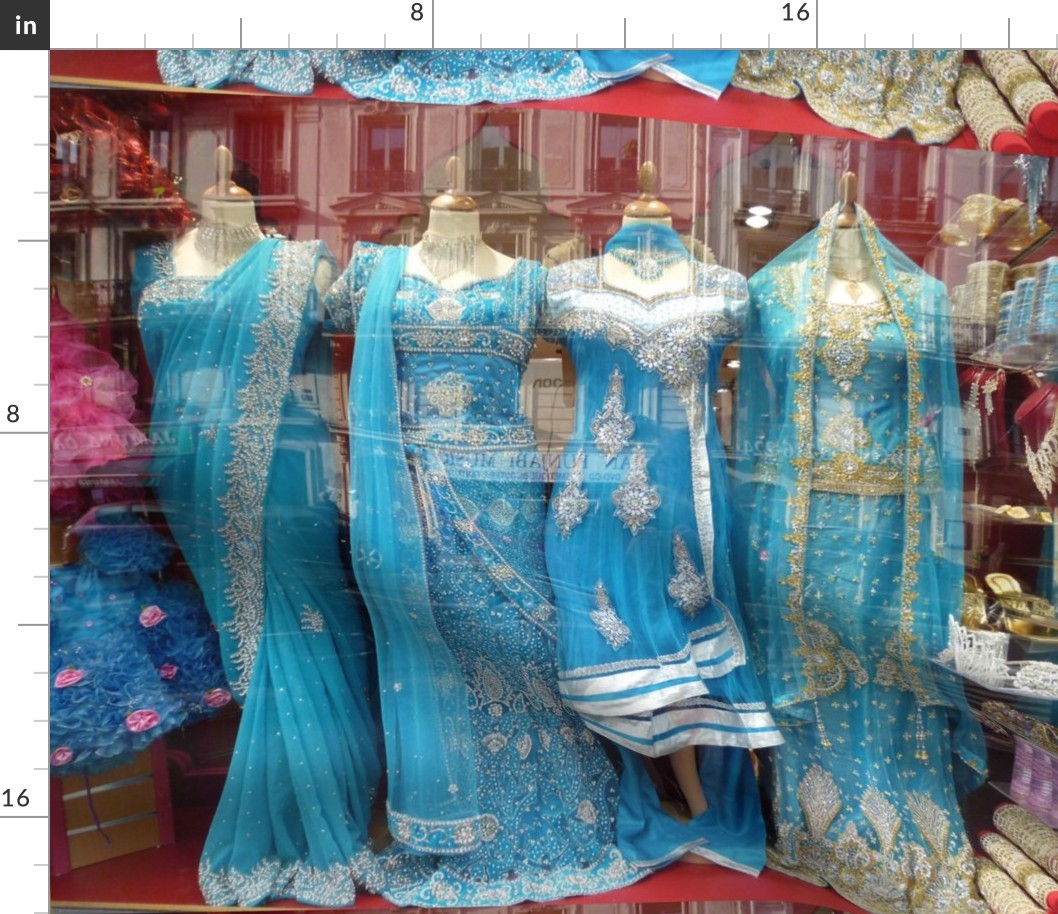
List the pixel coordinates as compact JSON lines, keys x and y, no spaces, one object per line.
{"x":615,"y":154}
{"x":382,"y":159}
{"x":498,"y":155}
{"x":259,"y":138}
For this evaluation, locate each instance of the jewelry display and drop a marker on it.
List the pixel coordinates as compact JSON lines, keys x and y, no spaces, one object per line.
{"x":1002,"y":893}
{"x":646,"y":264}
{"x":446,"y":255}
{"x":1035,"y":838}
{"x":224,"y":244}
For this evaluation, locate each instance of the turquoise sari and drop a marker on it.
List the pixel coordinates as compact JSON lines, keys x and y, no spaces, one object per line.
{"x":241,"y":454}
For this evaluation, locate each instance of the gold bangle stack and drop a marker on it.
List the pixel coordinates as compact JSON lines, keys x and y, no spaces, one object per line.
{"x":1035,"y":882}
{"x":983,"y":107}
{"x":1037,"y":840}
{"x":1019,"y":80}
{"x":985,"y":281}
{"x":1047,"y":61}
{"x":1002,"y":893}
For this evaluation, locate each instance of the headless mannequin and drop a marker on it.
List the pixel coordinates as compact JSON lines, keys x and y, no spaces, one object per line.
{"x":457,"y":226}
{"x":226,"y":206}
{"x":675,"y":277}
{"x":851,"y":278}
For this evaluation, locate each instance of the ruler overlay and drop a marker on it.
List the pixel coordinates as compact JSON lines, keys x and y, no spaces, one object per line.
{"x":24,"y":464}
{"x":30,"y":32}
{"x":558,"y":24}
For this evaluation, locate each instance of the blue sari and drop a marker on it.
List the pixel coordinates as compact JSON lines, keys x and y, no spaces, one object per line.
{"x":849,"y":543}
{"x":241,"y":454}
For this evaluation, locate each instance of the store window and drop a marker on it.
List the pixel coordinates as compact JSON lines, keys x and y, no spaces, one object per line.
{"x":381,"y":154}
{"x":615,"y":154}
{"x":259,"y":145}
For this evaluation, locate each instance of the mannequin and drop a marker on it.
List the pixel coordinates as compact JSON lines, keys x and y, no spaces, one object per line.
{"x":675,"y":275}
{"x":447,"y":549}
{"x":651,"y":649}
{"x":647,"y":211}
{"x":227,"y":230}
{"x":451,"y":253}
{"x":850,"y":272}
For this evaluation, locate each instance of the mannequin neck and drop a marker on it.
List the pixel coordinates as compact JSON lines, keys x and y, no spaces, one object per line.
{"x":235,"y":211}
{"x":848,"y":252}
{"x":658,"y":221}
{"x":454,"y":224}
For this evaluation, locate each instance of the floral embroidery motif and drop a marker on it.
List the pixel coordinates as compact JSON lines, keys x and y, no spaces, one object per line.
{"x":847,"y":329}
{"x":606,"y":620}
{"x":448,"y":395}
{"x":612,"y":428}
{"x":635,"y":498}
{"x":571,"y":504}
{"x":311,"y":619}
{"x":446,"y":308}
{"x":689,"y":589}
{"x":846,"y":432}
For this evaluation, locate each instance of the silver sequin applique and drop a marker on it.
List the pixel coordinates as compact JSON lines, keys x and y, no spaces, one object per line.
{"x":606,"y":620}
{"x":689,"y":589}
{"x":449,"y":395}
{"x":571,"y":504}
{"x":635,"y":498}
{"x":612,"y":428}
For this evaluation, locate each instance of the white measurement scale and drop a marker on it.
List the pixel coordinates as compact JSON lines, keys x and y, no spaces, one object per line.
{"x":77,"y":24}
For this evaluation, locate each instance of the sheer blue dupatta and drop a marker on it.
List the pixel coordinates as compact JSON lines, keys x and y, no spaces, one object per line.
{"x":432,"y":803}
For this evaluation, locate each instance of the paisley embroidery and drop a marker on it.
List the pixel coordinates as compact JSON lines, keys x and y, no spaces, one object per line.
{"x":607,"y":621}
{"x":689,"y":589}
{"x":882,"y":815}
{"x":612,"y":428}
{"x":820,"y":800}
{"x":829,"y":662}
{"x":636,"y":499}
{"x":571,"y":504}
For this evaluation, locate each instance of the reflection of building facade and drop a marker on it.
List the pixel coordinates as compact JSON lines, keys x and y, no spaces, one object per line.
{"x":344,"y":172}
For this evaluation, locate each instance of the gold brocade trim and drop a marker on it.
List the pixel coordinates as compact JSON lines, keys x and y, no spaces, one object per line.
{"x":845,"y":474}
{"x":840,"y":471}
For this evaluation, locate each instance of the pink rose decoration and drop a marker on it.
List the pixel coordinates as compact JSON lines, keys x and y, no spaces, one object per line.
{"x":217,"y":698}
{"x":65,"y":678}
{"x":141,"y":720}
{"x":764,"y":555}
{"x":151,"y":616}
{"x":62,"y":756}
{"x":168,"y":670}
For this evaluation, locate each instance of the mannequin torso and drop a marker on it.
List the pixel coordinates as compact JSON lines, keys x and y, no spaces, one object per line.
{"x":471,"y":260}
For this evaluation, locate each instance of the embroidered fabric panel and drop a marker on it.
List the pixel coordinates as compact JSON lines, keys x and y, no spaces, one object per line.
{"x":636,"y":500}
{"x":612,"y":428}
{"x":606,"y":620}
{"x":571,"y":504}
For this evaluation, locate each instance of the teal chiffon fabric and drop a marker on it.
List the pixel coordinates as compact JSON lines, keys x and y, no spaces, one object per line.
{"x":652,"y":651}
{"x":496,"y":792}
{"x":850,"y":556}
{"x":241,"y":453}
